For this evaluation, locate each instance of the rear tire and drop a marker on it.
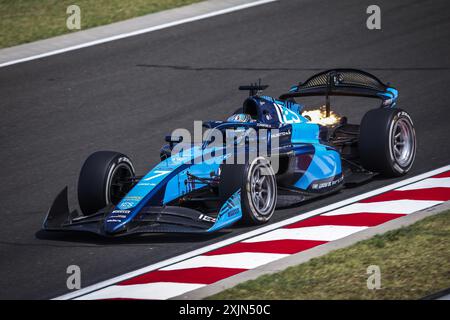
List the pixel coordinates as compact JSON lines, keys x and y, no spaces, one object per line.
{"x":101,"y":180}
{"x":258,"y":192}
{"x":387,"y":142}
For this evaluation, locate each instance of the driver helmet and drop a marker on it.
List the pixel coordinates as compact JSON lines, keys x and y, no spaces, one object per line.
{"x":240,"y":117}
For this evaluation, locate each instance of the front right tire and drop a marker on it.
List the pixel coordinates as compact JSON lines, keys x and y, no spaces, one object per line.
{"x":258,"y":185}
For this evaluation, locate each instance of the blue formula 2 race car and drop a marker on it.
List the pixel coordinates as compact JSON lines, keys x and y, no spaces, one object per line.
{"x":189,"y":192}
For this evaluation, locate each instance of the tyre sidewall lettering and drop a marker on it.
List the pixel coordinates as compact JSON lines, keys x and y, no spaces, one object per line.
{"x":108,"y":183}
{"x":117,"y":163}
{"x":395,"y":165}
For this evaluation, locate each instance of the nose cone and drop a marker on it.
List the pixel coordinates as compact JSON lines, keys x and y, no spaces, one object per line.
{"x":116,"y":221}
{"x":112,"y":227}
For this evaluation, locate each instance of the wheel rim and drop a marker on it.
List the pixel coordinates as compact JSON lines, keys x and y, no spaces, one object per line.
{"x":262,"y":190}
{"x":121,"y":182}
{"x":403,"y":142}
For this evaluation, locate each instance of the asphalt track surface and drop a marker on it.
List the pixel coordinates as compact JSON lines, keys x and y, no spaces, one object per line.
{"x":126,"y":95}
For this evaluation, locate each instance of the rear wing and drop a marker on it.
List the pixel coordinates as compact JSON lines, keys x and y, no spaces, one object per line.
{"x":344,"y":82}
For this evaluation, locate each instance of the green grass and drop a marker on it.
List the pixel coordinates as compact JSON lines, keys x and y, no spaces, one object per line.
{"x":24,"y":21}
{"x":414,"y":262}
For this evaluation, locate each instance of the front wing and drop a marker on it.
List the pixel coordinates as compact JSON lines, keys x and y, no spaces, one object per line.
{"x":150,"y":219}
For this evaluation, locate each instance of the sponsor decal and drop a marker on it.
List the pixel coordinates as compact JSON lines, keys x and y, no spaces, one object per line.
{"x":120,"y":216}
{"x":145,"y":184}
{"x":133,"y":198}
{"x":126,"y":205}
{"x":206,"y":218}
{"x":327,"y":184}
{"x":129,"y":202}
{"x":286,"y":115}
{"x":264,"y":125}
{"x":233,"y":212}
{"x":121,"y":211}
{"x":281,"y":134}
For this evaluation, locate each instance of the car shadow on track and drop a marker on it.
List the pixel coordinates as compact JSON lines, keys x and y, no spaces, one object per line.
{"x":161,"y":238}
{"x":151,"y":238}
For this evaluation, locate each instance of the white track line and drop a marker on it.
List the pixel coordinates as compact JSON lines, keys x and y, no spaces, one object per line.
{"x":138,"y":32}
{"x":428,"y":183}
{"x":250,"y":234}
{"x":394,"y":206}
{"x":318,"y":233}
{"x":155,"y":290}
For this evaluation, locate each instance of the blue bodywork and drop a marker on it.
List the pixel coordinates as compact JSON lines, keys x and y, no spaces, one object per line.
{"x":166,"y":182}
{"x":311,"y":166}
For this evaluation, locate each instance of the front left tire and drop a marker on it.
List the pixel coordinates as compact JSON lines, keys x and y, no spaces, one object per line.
{"x":106,"y":176}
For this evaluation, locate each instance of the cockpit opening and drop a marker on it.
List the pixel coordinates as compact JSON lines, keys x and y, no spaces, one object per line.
{"x":250,"y":107}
